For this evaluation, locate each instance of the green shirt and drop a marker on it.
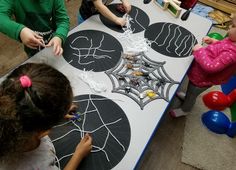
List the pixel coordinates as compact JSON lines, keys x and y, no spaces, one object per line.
{"x":46,"y":17}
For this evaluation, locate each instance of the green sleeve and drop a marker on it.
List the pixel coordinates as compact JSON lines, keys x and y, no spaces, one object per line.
{"x":8,"y":26}
{"x":62,"y":20}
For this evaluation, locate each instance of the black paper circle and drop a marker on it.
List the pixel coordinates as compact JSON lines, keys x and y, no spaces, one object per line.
{"x":170,"y":39}
{"x":92,"y":50}
{"x":108,"y":125}
{"x":139,"y":23}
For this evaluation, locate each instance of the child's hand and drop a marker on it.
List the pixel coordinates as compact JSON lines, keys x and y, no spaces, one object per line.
{"x":31,"y":39}
{"x":82,"y":150}
{"x":120,"y":21}
{"x":85,"y":146}
{"x":56,"y":43}
{"x":126,"y":5}
{"x":197,"y":47}
{"x":207,"y":40}
{"x":72,"y":110}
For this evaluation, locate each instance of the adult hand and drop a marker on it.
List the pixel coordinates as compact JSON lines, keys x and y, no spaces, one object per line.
{"x":56,"y":43}
{"x":31,"y":39}
{"x":126,"y":5}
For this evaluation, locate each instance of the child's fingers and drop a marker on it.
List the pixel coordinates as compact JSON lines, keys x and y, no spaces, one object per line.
{"x":87,"y":138}
{"x":205,"y":39}
{"x":33,"y":44}
{"x":37,"y":42}
{"x":30,"y":46}
{"x":38,"y":36}
{"x":73,"y":107}
{"x":56,"y":49}
{"x":69,"y":116}
{"x":61,"y":51}
{"x":123,"y":22}
{"x":49,"y":44}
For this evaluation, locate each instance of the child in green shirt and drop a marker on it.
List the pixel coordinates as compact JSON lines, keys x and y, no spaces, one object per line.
{"x":37,"y":24}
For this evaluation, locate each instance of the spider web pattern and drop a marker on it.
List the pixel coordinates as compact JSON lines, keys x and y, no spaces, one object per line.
{"x":92,"y":50}
{"x":105,"y":121}
{"x":89,"y":52}
{"x":154,"y":78}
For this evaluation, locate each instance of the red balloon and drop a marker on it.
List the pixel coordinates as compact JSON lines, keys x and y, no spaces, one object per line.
{"x":216,"y":100}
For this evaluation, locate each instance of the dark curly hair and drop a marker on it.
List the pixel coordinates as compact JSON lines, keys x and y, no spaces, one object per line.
{"x":24,"y":111}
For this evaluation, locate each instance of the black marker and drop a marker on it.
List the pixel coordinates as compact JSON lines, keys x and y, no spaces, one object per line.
{"x":185,"y":15}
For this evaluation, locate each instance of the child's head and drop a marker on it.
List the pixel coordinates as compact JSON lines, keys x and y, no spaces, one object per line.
{"x":232,"y":30}
{"x":33,"y":98}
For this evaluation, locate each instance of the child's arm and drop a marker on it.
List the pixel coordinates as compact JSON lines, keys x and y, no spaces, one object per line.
{"x":81,"y":151}
{"x":15,"y":30}
{"x":8,"y":26}
{"x":126,"y":5}
{"x":72,"y":110}
{"x":107,"y":13}
{"x":215,"y":63}
{"x":62,"y":27}
{"x":62,"y":20}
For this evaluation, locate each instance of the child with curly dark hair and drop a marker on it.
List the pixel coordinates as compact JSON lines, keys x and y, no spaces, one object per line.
{"x":34,"y":98}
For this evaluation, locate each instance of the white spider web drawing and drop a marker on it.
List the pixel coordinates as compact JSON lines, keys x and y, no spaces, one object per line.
{"x":92,"y":50}
{"x":109,"y":127}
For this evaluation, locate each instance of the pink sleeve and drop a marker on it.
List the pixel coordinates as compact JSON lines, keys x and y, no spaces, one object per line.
{"x":213,"y":62}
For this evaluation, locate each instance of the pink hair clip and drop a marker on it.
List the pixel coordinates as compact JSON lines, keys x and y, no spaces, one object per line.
{"x":25,"y":81}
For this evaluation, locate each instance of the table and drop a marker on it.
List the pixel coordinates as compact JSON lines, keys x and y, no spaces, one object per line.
{"x":126,"y":126}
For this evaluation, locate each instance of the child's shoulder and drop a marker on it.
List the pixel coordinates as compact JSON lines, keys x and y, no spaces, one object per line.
{"x":40,"y":158}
